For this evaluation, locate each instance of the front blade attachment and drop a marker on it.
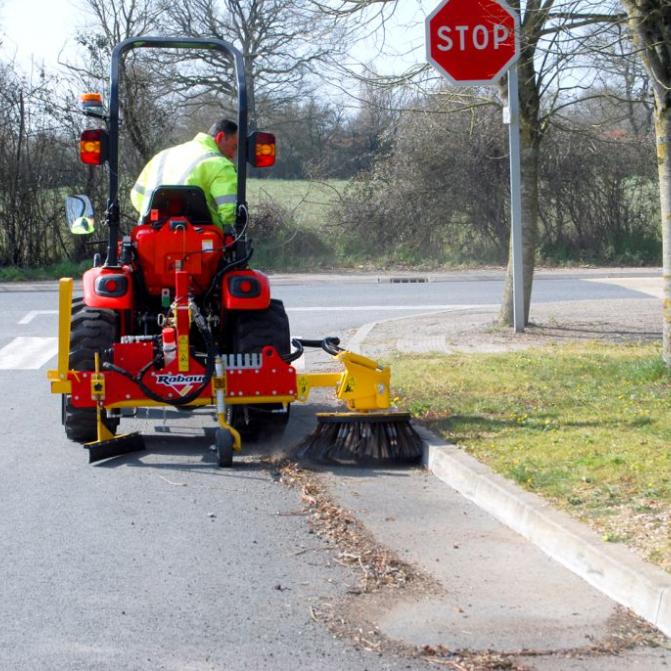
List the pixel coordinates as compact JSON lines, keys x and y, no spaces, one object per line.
{"x":115,"y":447}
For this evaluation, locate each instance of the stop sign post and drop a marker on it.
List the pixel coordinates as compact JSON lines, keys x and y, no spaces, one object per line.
{"x":474,"y":43}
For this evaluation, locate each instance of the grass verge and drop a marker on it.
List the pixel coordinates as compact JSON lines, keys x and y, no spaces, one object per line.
{"x":49,"y":272}
{"x":585,"y":425}
{"x":308,"y":201}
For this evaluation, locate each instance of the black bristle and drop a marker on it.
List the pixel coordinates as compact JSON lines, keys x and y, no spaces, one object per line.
{"x":363,"y":439}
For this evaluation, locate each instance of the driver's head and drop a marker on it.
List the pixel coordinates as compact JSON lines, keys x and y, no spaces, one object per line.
{"x":225,"y":134}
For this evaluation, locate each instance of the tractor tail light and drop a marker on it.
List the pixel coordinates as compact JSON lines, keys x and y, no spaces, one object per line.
{"x":93,"y":146}
{"x":111,"y":285}
{"x":261,"y":149}
{"x":244,"y":287}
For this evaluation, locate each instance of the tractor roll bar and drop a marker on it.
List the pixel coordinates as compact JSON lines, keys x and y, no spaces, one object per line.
{"x":113,"y":123}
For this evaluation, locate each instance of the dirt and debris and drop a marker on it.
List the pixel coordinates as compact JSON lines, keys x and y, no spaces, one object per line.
{"x":383,"y":578}
{"x":643,"y":524}
{"x":354,"y":546}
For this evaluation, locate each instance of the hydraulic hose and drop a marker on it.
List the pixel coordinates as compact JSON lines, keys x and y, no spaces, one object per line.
{"x":330,"y":345}
{"x":204,"y":330}
{"x":291,"y":357}
{"x":220,"y":273}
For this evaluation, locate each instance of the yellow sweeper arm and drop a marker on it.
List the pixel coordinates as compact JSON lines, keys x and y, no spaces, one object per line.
{"x":363,"y":385}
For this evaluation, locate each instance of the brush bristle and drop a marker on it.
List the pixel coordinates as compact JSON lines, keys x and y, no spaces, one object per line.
{"x":360,"y":439}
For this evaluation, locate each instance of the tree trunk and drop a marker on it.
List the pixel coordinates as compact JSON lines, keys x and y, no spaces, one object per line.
{"x":649,"y":24}
{"x":663,"y":132}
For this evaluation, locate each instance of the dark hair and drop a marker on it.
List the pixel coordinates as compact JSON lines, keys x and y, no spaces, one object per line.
{"x":225,"y":126}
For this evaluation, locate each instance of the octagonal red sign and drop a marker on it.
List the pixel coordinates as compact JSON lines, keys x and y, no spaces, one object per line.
{"x":472,"y":41}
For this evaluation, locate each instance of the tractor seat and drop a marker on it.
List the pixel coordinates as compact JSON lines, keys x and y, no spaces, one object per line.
{"x":179,"y":201}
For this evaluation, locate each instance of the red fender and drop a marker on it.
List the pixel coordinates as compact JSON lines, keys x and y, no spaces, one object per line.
{"x":245,"y":290}
{"x":110,"y":288}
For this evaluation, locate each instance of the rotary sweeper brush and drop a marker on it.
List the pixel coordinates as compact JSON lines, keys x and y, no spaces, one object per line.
{"x":175,"y":316}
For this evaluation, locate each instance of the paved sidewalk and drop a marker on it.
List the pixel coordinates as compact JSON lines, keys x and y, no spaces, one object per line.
{"x":498,"y":591}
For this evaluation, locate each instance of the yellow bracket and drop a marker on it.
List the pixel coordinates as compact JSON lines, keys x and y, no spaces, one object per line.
{"x":103,"y":432}
{"x":59,"y":377}
{"x":308,"y":381}
{"x":219,"y":385}
{"x":223,"y":424}
{"x":97,"y":380}
{"x":363,"y":385}
{"x":98,"y":393}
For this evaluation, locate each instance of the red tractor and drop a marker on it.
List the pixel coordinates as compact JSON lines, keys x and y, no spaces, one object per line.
{"x":175,"y":316}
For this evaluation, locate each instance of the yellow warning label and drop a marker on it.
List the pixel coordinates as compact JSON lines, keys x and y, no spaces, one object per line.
{"x":183,"y":353}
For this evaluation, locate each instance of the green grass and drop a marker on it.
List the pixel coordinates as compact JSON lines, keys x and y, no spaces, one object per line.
{"x":307,"y":235}
{"x":309,"y":201}
{"x":587,"y":426}
{"x":49,"y":272}
{"x":302,"y":239}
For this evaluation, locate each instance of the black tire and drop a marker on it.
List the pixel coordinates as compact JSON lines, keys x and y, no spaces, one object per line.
{"x":223,"y":442}
{"x":256,"y":329}
{"x":92,"y":330}
{"x":253,"y":331}
{"x":77,"y":305}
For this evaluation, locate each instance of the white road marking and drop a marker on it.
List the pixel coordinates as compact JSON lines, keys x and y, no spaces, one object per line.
{"x":34,"y":313}
{"x":27,"y":353}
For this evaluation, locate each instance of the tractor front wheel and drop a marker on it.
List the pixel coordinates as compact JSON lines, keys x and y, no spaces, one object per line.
{"x":92,"y":330}
{"x":223,"y":443}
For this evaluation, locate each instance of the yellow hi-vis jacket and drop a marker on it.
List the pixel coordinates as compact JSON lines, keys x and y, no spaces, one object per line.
{"x":195,"y":163}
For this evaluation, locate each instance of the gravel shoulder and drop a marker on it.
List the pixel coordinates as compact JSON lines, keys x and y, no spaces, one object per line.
{"x":476,"y":330}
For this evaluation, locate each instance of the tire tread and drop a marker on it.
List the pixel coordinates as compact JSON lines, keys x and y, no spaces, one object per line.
{"x":92,"y":330}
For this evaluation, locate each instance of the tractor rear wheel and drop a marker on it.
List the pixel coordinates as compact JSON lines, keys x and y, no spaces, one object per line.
{"x":92,"y":330}
{"x":77,"y":305}
{"x":253,"y":331}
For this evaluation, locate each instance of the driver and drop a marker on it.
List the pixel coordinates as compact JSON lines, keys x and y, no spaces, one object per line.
{"x":206,"y":161}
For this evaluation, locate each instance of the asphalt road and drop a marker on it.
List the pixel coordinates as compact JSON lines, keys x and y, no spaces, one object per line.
{"x":334,"y":307}
{"x":161,"y":560}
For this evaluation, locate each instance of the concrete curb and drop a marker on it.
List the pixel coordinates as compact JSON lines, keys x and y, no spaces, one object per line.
{"x":612,"y":569}
{"x":23,"y":287}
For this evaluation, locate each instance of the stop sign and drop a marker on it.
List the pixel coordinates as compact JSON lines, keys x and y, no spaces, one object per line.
{"x":472,"y":41}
